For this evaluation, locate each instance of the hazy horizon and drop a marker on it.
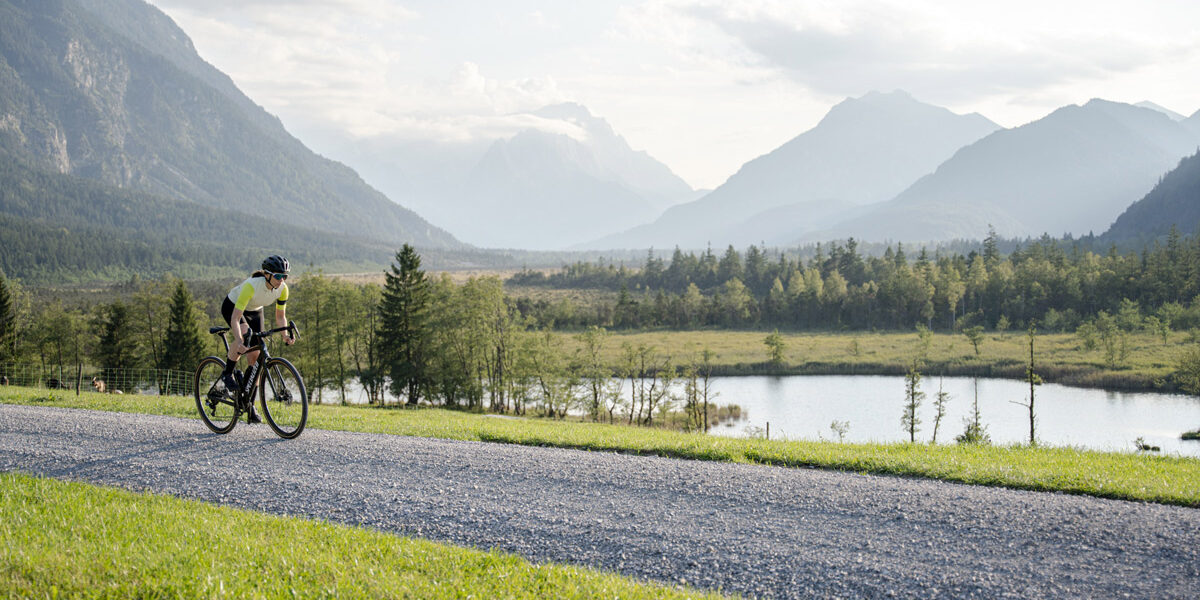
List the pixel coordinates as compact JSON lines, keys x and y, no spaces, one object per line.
{"x":701,"y":86}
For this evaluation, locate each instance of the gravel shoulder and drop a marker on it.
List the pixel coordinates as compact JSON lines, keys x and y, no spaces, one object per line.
{"x":758,"y":531}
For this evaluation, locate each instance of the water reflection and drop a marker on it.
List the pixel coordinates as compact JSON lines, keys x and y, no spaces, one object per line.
{"x":804,"y":407}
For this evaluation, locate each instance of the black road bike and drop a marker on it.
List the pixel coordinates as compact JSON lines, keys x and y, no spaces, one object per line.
{"x":280,"y":387}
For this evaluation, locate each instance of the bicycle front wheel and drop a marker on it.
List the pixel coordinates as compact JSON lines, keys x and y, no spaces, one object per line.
{"x":217,"y":408}
{"x":284,"y":398}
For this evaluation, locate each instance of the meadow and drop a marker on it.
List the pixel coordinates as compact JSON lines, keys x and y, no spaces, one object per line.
{"x":1060,"y":358}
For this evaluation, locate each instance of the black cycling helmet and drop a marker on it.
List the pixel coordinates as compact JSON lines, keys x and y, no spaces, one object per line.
{"x":275,"y":264}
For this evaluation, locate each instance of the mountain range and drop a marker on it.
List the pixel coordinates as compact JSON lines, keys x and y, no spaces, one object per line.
{"x":113,"y":91}
{"x":864,"y":151}
{"x":112,"y":126}
{"x":565,"y":178}
{"x":1072,"y":171}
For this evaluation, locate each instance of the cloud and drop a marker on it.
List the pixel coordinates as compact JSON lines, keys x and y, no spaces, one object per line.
{"x":848,"y":48}
{"x":381,"y":10}
{"x":359,"y":66}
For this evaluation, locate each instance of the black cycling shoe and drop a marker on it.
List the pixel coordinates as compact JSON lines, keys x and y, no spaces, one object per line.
{"x":231,"y":385}
{"x":252,"y":417}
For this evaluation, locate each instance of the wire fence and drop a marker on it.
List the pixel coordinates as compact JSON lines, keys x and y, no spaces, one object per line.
{"x":92,"y":379}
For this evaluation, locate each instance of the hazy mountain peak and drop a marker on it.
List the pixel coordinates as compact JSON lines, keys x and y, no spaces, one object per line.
{"x":876,"y":101}
{"x":567,"y":177}
{"x":1166,"y":111}
{"x":876,"y":96}
{"x":567,"y":111}
{"x":1071,"y":171}
{"x":865,"y":150}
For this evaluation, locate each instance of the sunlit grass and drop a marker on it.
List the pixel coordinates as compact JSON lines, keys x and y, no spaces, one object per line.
{"x":61,"y":539}
{"x":1060,"y":357}
{"x":1165,"y":479}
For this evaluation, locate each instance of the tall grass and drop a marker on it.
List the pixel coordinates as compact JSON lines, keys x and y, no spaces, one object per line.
{"x":1060,"y":357}
{"x":1165,"y":479}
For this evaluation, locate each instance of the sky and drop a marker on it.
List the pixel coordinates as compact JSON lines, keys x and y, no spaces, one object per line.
{"x":703,"y":86}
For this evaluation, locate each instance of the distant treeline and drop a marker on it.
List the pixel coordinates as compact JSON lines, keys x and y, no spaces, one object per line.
{"x":1058,"y":283}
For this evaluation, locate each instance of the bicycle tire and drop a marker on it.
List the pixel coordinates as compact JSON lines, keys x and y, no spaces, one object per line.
{"x":219,"y":415}
{"x":287,"y":408}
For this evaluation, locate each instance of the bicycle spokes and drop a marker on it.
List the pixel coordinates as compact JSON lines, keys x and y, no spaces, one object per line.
{"x":216,"y":408}
{"x":284,"y":398}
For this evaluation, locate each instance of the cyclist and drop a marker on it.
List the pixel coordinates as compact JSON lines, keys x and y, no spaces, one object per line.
{"x":244,"y":306}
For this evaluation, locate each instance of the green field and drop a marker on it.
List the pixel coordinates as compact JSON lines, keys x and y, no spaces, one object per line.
{"x":61,"y":539}
{"x":1060,"y":357}
{"x":1165,"y":479}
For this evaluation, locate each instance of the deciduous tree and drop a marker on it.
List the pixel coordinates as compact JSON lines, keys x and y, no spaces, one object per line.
{"x":913,"y":396}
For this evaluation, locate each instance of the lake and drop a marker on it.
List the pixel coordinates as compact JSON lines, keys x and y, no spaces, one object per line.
{"x":804,"y":406}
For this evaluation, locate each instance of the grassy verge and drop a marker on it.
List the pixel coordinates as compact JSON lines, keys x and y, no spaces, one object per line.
{"x":76,"y":540}
{"x":1060,"y":357}
{"x":1165,"y":479}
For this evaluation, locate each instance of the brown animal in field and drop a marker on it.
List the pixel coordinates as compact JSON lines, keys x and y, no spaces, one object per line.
{"x":99,"y":385}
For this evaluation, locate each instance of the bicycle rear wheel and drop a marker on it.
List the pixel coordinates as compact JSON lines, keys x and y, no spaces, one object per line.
{"x":284,"y":398}
{"x":217,"y":408}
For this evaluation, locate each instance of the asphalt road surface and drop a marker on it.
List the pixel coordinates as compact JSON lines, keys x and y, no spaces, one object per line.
{"x":758,"y":531}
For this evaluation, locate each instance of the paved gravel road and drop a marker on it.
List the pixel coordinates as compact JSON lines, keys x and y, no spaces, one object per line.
{"x":760,"y":531}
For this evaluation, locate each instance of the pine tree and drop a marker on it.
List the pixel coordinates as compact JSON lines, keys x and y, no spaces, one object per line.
{"x":8,"y":323}
{"x":404,"y":325}
{"x":991,"y":250}
{"x":117,"y":349}
{"x":184,"y":344}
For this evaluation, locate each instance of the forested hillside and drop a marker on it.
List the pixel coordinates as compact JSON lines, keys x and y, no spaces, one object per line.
{"x":1174,"y":202}
{"x":80,"y":97}
{"x":69,"y":228}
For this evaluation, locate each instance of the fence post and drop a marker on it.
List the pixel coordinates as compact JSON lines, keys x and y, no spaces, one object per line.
{"x":78,"y":378}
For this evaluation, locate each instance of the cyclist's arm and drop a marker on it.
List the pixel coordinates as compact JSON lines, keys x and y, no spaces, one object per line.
{"x":281,"y":314}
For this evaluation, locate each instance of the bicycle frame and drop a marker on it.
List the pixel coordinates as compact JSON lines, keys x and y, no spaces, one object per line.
{"x":257,"y":341}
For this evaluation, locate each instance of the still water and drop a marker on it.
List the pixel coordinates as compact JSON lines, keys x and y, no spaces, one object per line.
{"x":803,"y":407}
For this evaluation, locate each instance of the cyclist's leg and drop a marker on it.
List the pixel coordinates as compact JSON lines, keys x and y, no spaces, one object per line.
{"x":253,"y":322}
{"x":232,"y":357}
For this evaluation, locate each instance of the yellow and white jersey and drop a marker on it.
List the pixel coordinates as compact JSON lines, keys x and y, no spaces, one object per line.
{"x":253,"y":294}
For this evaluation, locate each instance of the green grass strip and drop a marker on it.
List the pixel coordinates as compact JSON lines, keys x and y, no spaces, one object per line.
{"x":60,"y":539}
{"x":1126,"y":476}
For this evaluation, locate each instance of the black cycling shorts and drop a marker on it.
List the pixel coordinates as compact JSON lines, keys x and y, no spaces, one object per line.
{"x":253,"y":318}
